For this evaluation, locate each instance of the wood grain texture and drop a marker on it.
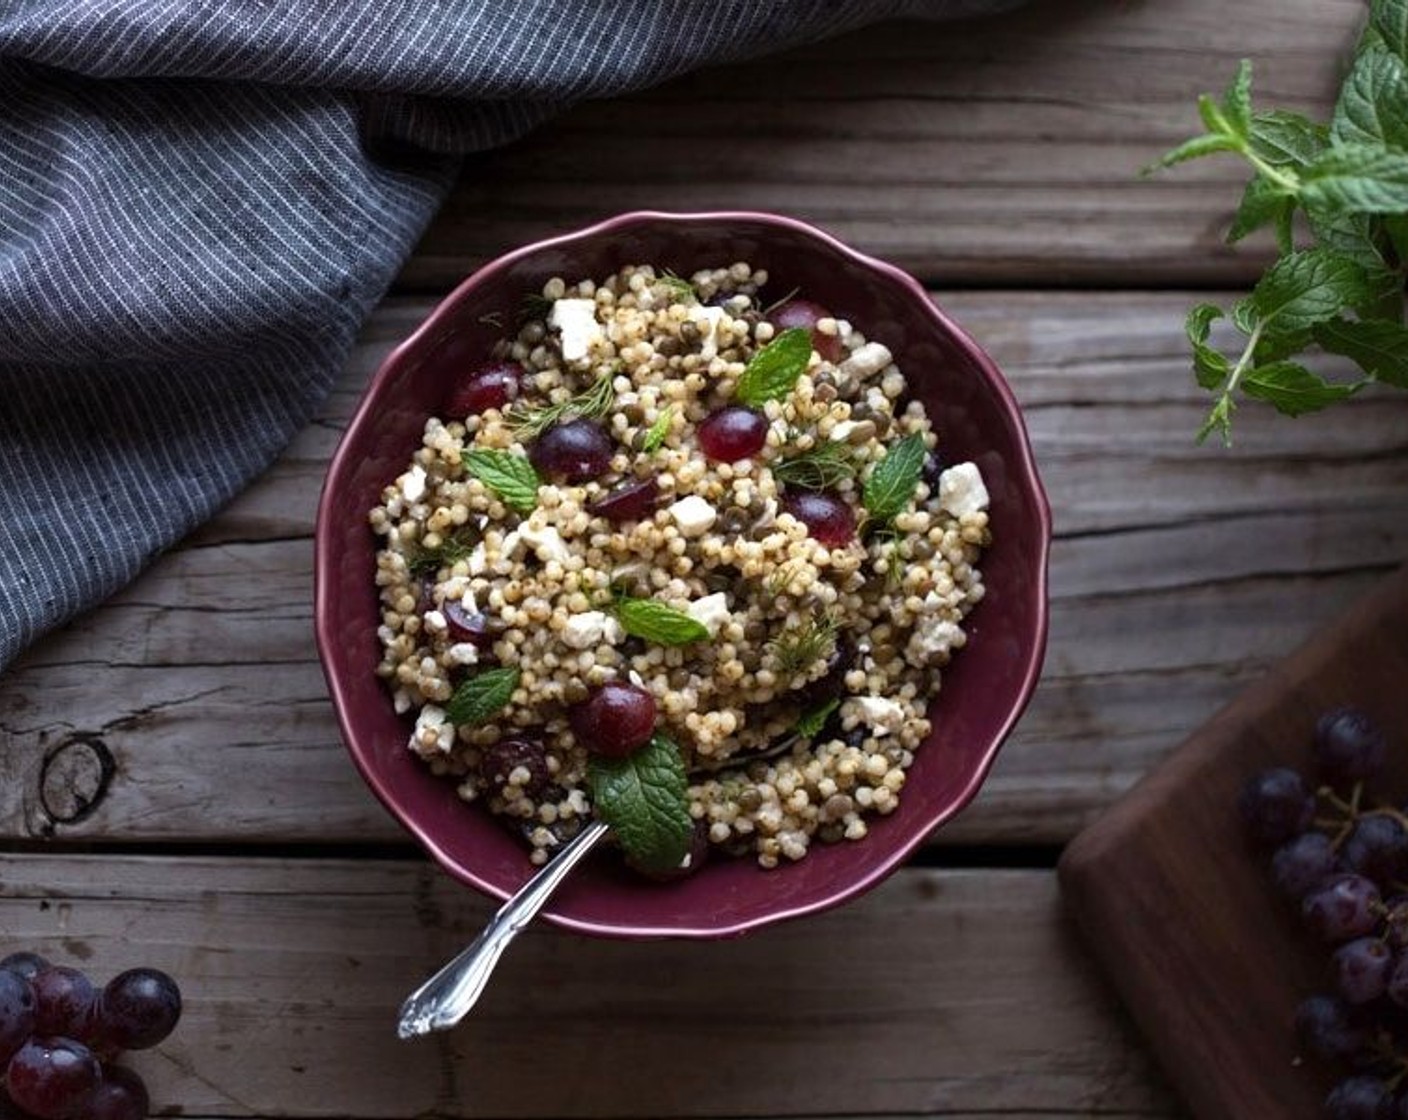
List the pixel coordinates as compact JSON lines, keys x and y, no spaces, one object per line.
{"x":1181,"y":914}
{"x":997,"y":151}
{"x":1179,"y":573}
{"x":939,"y":994}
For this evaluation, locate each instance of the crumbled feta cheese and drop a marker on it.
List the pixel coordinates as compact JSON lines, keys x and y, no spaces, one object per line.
{"x":588,"y":629}
{"x":712,"y":611}
{"x":842,"y":429}
{"x":933,"y":637}
{"x":708,"y":319}
{"x":547,"y":542}
{"x":433,"y":732}
{"x":435,"y":622}
{"x":463,"y":653}
{"x":478,"y":560}
{"x":693,"y":515}
{"x":961,"y":490}
{"x":575,"y":320}
{"x":865,"y":362}
{"x":401,"y":701}
{"x":884,"y":716}
{"x":413,"y":484}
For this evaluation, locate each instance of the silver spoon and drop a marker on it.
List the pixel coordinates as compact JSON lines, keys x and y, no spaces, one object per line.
{"x":446,"y":998}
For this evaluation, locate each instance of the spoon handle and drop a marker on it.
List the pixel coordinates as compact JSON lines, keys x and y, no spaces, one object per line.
{"x":445,"y":999}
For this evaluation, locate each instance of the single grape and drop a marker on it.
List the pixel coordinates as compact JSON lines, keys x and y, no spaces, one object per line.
{"x":1348,"y":745}
{"x":64,"y":996}
{"x":1342,"y":908}
{"x":18,"y":1012}
{"x":1362,"y":969}
{"x":1303,"y":863}
{"x":1329,"y":1028}
{"x":828,"y":518}
{"x":732,"y":433}
{"x":53,"y":1078}
{"x":576,"y":451}
{"x":28,"y":965}
{"x":491,"y":386}
{"x":1276,"y":805}
{"x":122,"y":1095}
{"x":500,"y":764}
{"x":616,"y":719}
{"x":464,"y":625}
{"x":1362,"y":1097}
{"x":804,"y":313}
{"x":1377,"y":848}
{"x":630,"y":501}
{"x":138,"y":1008}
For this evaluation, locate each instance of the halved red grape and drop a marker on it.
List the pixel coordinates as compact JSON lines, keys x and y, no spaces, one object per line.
{"x":18,"y":1012}
{"x":465,"y":625}
{"x":828,"y":518}
{"x":576,"y":451}
{"x":630,"y":501}
{"x":53,"y":1078}
{"x":616,"y":719}
{"x":805,"y":313}
{"x":121,"y":1096}
{"x":138,"y":1008}
{"x":483,"y":388}
{"x":733,"y":433}
{"x":64,"y":997}
{"x":498,"y":761}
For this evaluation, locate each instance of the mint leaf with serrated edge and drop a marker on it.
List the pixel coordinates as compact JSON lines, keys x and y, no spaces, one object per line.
{"x":773,"y":371}
{"x":1292,"y":388}
{"x":509,"y":475}
{"x":894,"y":479}
{"x":1210,"y":366}
{"x":1377,"y":346}
{"x":1306,"y":288}
{"x":644,"y":798}
{"x":1390,"y":19}
{"x":655,"y":622}
{"x":1362,"y":178}
{"x":1373,"y":103}
{"x":1263,"y":202}
{"x":811,"y":723}
{"x":482,"y":697}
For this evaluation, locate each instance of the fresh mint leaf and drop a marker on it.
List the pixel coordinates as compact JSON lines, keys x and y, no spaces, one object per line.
{"x":1292,"y":388}
{"x":1395,"y":228}
{"x":1263,"y":202}
{"x":1305,"y":288}
{"x":655,"y":438}
{"x":1390,"y":19}
{"x":1199,"y":146}
{"x":1210,"y":366}
{"x":1365,"y":178}
{"x":1373,"y":103}
{"x":773,"y":371}
{"x":811,"y":723}
{"x":1232,"y":116}
{"x":1284,"y":139}
{"x":655,"y":622}
{"x":482,"y":697}
{"x":1379,"y":347}
{"x":894,"y":479}
{"x":644,"y":798}
{"x":508,"y":475}
{"x":1350,"y":235}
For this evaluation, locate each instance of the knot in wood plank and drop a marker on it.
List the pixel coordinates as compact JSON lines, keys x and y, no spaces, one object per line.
{"x":75,"y":778}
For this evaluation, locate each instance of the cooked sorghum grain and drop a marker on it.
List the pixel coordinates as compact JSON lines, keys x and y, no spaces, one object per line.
{"x":793,"y":620}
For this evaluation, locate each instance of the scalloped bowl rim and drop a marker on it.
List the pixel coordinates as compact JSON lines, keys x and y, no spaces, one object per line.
{"x":893,"y":856}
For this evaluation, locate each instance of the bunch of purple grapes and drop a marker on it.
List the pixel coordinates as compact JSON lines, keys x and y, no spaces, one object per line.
{"x":1345,"y":863}
{"x":59,"y":1036}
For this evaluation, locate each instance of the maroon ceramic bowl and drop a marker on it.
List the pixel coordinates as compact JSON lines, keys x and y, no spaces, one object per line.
{"x":985,"y":688}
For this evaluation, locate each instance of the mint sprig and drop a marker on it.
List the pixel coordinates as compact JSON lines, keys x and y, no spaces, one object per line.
{"x":1341,"y":289}
{"x":892,"y":483}
{"x":655,"y":622}
{"x":644,"y":798}
{"x":510,"y":476}
{"x":773,"y":371}
{"x":482,"y":697}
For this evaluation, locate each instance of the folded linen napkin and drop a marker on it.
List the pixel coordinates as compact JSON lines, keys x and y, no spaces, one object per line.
{"x":200,"y":202}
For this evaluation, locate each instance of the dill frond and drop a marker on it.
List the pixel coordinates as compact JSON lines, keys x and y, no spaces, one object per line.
{"x":823,"y":466}
{"x":529,"y":423}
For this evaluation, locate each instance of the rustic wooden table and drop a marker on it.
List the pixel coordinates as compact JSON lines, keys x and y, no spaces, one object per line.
{"x":173,"y":790}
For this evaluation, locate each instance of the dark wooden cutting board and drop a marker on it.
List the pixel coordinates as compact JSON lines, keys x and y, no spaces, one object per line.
{"x":1179,"y":909}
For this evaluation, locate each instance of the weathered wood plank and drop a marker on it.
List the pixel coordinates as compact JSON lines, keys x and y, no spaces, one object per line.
{"x":1007,"y":149}
{"x":1178,"y":574}
{"x":940,"y":994}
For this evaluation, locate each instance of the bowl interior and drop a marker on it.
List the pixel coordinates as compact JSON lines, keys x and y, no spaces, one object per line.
{"x":984,"y":690}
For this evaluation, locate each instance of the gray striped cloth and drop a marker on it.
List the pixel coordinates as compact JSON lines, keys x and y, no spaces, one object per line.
{"x":200,"y":202}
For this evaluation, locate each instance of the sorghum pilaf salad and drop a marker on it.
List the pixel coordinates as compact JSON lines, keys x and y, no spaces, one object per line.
{"x":682,"y":561}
